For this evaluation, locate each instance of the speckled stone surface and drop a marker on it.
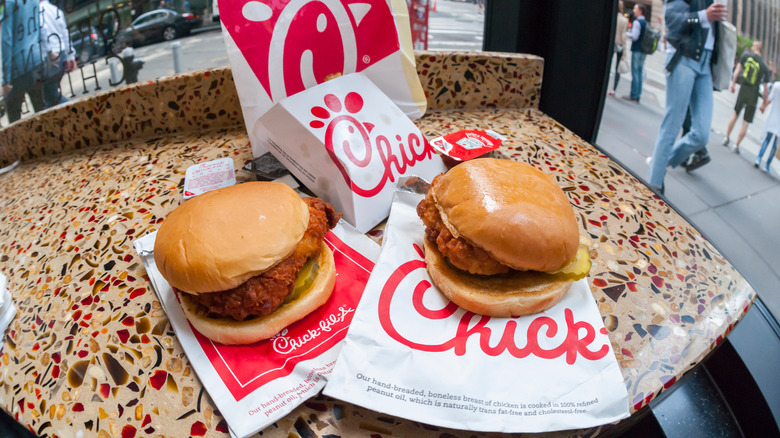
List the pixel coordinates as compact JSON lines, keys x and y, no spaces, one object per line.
{"x":91,"y":351}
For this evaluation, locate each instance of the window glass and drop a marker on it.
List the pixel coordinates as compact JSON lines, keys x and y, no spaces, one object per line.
{"x":87,"y":46}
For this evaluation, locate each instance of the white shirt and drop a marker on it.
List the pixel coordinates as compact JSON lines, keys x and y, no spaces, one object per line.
{"x":773,"y":118}
{"x":54,"y":32}
{"x":635,"y":30}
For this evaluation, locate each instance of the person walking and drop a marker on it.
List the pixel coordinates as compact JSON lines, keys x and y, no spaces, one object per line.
{"x":772,"y":126}
{"x":58,"y":52}
{"x":22,"y":62}
{"x":692,"y":35}
{"x":751,"y":72}
{"x":635,"y":33}
{"x":620,"y":44}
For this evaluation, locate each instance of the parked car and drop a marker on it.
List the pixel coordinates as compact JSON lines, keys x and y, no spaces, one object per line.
{"x":160,"y":24}
{"x":87,"y":43}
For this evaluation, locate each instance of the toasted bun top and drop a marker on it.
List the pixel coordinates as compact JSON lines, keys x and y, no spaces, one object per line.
{"x":516,"y":213}
{"x":220,"y":239}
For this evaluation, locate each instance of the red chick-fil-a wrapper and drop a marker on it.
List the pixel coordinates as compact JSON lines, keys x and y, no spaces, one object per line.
{"x":347,"y":142}
{"x":412,"y":353}
{"x":257,"y":384}
{"x":467,"y":144}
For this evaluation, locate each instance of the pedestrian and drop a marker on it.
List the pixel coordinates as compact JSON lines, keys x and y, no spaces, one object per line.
{"x":22,"y":61}
{"x":772,"y":126}
{"x":692,"y":36}
{"x":635,"y":33}
{"x":58,"y":52}
{"x":620,"y":40}
{"x":751,"y":72}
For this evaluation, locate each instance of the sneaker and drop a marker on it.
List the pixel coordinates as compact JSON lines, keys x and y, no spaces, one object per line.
{"x":756,"y":164}
{"x":649,"y":161}
{"x":726,"y":142}
{"x":736,"y":149}
{"x":611,"y":92}
{"x":697,"y":160}
{"x":630,"y":99}
{"x":765,"y":169}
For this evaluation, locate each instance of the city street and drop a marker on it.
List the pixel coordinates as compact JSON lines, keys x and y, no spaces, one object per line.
{"x":730,"y":201}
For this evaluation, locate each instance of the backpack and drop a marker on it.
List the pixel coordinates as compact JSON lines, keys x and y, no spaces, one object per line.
{"x":750,"y":73}
{"x":648,"y":42}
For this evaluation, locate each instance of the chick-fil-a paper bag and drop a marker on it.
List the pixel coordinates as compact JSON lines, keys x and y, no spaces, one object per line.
{"x":348,"y":143}
{"x":412,"y":353}
{"x":277,"y":48}
{"x":255,"y":385}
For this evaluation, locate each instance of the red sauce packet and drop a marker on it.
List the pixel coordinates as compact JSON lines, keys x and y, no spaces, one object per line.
{"x":467,"y":144}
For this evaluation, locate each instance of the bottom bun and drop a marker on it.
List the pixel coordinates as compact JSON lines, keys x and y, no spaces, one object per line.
{"x":231,"y":332}
{"x":514,"y":294}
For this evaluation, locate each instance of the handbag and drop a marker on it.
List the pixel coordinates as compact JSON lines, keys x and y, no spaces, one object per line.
{"x":623,"y":66}
{"x":727,"y":50}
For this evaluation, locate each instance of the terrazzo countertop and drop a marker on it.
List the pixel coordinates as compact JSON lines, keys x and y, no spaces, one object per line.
{"x":92,"y":353}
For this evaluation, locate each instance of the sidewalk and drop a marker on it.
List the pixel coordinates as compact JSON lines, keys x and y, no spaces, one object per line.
{"x":732,"y":203}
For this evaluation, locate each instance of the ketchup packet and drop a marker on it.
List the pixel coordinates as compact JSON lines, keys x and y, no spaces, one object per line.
{"x":467,"y":144}
{"x":348,"y":143}
{"x":211,"y":175}
{"x":255,"y":385}
{"x":412,"y":353}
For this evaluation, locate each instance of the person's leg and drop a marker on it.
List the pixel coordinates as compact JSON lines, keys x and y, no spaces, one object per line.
{"x":750,"y":112}
{"x":763,"y":149}
{"x":636,"y":75}
{"x":701,"y":115}
{"x":642,"y":57}
{"x":730,"y":128}
{"x":678,"y":90}
{"x":35,"y":92}
{"x":15,"y":97}
{"x":741,"y":135}
{"x":618,"y":56}
{"x":771,"y":154}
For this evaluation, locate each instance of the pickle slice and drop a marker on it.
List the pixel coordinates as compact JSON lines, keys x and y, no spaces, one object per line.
{"x":579,"y":267}
{"x":305,"y":279}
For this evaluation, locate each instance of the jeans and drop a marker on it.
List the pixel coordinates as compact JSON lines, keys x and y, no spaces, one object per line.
{"x":637,"y":74}
{"x":690,"y":84}
{"x":764,"y":145}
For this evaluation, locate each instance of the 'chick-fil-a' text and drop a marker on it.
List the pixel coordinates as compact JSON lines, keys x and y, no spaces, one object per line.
{"x":578,"y":337}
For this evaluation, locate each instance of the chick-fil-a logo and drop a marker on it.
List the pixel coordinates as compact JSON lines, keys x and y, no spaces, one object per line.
{"x":574,"y":343}
{"x":292,"y":45}
{"x":347,"y":138}
{"x":283,"y":344}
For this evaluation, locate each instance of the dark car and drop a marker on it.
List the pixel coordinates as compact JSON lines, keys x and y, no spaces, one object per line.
{"x":87,"y":43}
{"x":160,"y":24}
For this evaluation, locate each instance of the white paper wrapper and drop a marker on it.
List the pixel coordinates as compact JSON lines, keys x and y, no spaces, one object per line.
{"x":255,"y":385}
{"x":349,"y":144}
{"x":411,"y":353}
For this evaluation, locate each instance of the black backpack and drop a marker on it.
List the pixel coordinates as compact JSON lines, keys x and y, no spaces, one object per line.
{"x":648,"y":42}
